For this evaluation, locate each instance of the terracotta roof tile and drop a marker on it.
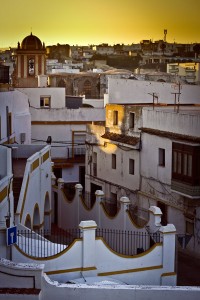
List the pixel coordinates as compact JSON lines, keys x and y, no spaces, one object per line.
{"x":130,"y":140}
{"x":171,"y":135}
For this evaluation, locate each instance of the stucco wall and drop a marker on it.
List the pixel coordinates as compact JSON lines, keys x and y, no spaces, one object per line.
{"x":17,"y":104}
{"x":92,"y":257}
{"x":120,"y":176}
{"x":186,"y":122}
{"x":37,"y":174}
{"x":57,"y":96}
{"x":135,"y":91}
{"x":76,"y":292}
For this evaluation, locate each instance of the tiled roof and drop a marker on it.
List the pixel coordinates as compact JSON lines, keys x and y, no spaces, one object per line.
{"x":130,"y":140}
{"x":171,"y":135}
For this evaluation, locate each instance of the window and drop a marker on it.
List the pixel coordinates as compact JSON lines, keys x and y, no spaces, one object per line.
{"x":78,"y":147}
{"x":45,"y":101}
{"x":87,"y":89}
{"x":161,"y":157}
{"x":186,"y":163}
{"x":131,"y":120}
{"x":115,"y":117}
{"x":164,"y":216}
{"x":131,"y":166}
{"x":31,"y":67}
{"x":189,"y":227}
{"x":94,"y":164}
{"x":112,"y":206}
{"x":9,"y":129}
{"x":113,"y":161}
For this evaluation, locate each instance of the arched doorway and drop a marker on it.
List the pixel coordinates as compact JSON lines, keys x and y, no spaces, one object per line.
{"x":36,"y":218}
{"x":61,"y":83}
{"x":47,"y":213}
{"x":28,"y":221}
{"x":87,"y":89}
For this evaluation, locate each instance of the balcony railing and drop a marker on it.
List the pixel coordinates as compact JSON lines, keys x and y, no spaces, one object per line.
{"x":187,"y":69}
{"x":111,"y":206}
{"x":185,"y":188}
{"x":173,"y":70}
{"x":45,"y":243}
{"x":139,"y":215}
{"x":128,"y":242}
{"x":75,"y":151}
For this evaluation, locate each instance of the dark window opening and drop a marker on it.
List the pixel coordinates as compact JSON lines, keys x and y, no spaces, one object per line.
{"x":161,"y":157}
{"x":131,"y":120}
{"x":186,"y":163}
{"x":115,"y":117}
{"x":131,"y":166}
{"x":114,"y":164}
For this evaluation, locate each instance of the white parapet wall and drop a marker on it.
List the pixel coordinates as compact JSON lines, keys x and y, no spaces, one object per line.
{"x":30,"y":282}
{"x":91,"y":256}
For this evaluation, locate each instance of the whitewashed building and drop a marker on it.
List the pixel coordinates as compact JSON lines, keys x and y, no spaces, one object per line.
{"x":189,"y":70}
{"x":66,"y":129}
{"x":149,"y":152}
{"x":136,"y":91}
{"x":15,"y":118}
{"x":170,"y":176}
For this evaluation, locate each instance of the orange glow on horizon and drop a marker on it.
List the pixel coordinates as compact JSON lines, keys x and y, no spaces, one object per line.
{"x":99,"y":21}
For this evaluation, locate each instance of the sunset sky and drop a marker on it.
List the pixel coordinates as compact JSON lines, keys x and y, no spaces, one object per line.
{"x":86,"y":22}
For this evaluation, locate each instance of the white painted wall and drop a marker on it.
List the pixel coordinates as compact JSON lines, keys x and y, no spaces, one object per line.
{"x":94,"y":258}
{"x":155,"y":179}
{"x":40,"y":177}
{"x":186,"y":121}
{"x":134,"y":292}
{"x":119,"y":176}
{"x":53,"y":290}
{"x":71,"y":174}
{"x":17,"y":104}
{"x":96,"y":103}
{"x":135,"y":91}
{"x":57,"y":96}
{"x":62,"y":132}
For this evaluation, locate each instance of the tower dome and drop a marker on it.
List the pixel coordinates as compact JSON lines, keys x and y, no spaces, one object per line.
{"x":31,"y":42}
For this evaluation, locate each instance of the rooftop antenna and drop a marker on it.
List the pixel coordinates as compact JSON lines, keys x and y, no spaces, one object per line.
{"x":177,"y":98}
{"x":165,"y":34}
{"x":155,"y":96}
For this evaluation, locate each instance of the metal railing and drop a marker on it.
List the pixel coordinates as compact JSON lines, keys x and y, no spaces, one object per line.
{"x":76,"y":151}
{"x":45,"y":243}
{"x":139,"y":215}
{"x":111,"y":206}
{"x":128,"y":242}
{"x":88,"y":201}
{"x":69,"y":191}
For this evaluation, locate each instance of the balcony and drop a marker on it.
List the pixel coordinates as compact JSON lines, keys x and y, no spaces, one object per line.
{"x":185,"y":189}
{"x":173,"y":70}
{"x":190,"y":69}
{"x":190,"y":76}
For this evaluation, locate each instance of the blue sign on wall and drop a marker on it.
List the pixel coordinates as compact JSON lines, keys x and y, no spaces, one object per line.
{"x":11,"y":235}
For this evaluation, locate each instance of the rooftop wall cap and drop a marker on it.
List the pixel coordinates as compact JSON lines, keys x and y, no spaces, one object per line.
{"x":78,"y":186}
{"x":89,"y":223}
{"x":169,"y":228}
{"x":99,"y":193}
{"x":125,"y":199}
{"x":23,"y":266}
{"x":60,"y":180}
{"x":155,"y":210}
